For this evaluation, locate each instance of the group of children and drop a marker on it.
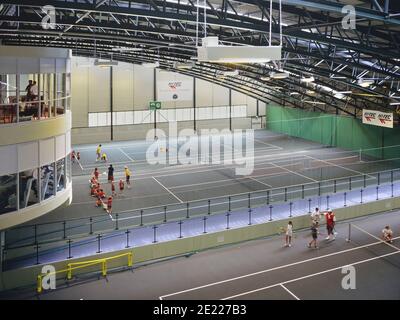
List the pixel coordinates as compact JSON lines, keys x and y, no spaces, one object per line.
{"x":97,"y":192}
{"x":387,"y":233}
{"x":315,"y":220}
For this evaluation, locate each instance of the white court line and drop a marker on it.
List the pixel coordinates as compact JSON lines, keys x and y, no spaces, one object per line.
{"x":274,"y":268}
{"x":125,"y":154}
{"x":265,"y":184}
{"x":269,"y":144}
{"x":296,"y":173}
{"x":339,"y":166}
{"x":310,"y":275}
{"x":168,"y":190}
{"x":290,"y":292}
{"x":79,"y":163}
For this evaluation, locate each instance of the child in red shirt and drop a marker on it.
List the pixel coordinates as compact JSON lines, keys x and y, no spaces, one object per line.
{"x":109,"y":204}
{"x":113,"y":189}
{"x":121,"y":186}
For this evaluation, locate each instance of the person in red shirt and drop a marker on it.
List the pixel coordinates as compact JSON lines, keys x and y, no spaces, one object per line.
{"x":99,"y":203}
{"x":101,"y":194}
{"x":96,"y":173}
{"x":330,"y":224}
{"x":121,"y":186}
{"x":109,"y":204}
{"x":113,"y":189}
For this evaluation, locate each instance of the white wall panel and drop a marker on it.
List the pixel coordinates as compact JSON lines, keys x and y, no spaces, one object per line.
{"x":220,"y":95}
{"x":8,"y":159}
{"x":204,"y":93}
{"x":46,"y":151}
{"x":123,"y":87}
{"x":238,"y":98}
{"x":28,"y":155}
{"x":60,"y":147}
{"x":143,"y":87}
{"x":99,"y":89}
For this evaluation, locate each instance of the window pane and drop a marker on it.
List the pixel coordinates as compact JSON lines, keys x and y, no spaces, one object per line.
{"x":47,"y":180}
{"x":8,"y":193}
{"x":60,"y":174}
{"x":28,"y":188}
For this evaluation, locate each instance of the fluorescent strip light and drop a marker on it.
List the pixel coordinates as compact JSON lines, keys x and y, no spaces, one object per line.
{"x":124,"y":49}
{"x":181,"y":65}
{"x":364,"y":83}
{"x":279,"y":75}
{"x":311,"y":79}
{"x":151,"y":64}
{"x":105,"y":63}
{"x":395,"y":103}
{"x":231,"y":73}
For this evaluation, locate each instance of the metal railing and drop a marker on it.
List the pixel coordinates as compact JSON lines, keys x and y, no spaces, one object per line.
{"x":78,"y":228}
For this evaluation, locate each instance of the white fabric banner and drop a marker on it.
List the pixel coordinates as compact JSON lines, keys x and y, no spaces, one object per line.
{"x":175,"y":90}
{"x":378,"y":118}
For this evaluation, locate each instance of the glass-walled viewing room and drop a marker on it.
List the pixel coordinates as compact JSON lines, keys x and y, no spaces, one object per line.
{"x":33,"y":87}
{"x":28,"y":97}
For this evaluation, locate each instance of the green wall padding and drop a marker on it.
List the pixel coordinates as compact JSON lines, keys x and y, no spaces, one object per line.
{"x":331,"y":130}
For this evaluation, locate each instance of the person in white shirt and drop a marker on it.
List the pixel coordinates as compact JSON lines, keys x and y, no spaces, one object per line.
{"x":315,"y":216}
{"x":289,"y":234}
{"x":34,"y":91}
{"x":387,"y":234}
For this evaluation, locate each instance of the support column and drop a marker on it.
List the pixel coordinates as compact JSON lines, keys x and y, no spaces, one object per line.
{"x":194,"y":104}
{"x":230,"y":109}
{"x":111,"y":103}
{"x":154,"y":98}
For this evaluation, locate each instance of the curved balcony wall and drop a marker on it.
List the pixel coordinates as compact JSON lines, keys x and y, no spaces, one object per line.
{"x":35,"y":132}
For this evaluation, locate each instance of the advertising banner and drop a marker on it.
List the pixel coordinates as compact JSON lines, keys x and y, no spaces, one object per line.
{"x":378,"y":118}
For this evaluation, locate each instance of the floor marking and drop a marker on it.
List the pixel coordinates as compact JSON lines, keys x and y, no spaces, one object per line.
{"x":276,"y":268}
{"x":168,"y":190}
{"x":296,"y":173}
{"x":339,"y":166}
{"x":126,"y":154}
{"x":290,"y":292}
{"x":310,"y":275}
{"x":269,"y":144}
{"x":265,"y":184}
{"x":79,"y":164}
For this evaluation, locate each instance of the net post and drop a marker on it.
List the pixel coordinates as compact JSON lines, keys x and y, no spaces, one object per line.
{"x":349,"y":233}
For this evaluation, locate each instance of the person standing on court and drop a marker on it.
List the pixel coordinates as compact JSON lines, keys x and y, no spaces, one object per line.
{"x":127,"y":177}
{"x":315,"y":216}
{"x":314,"y":234}
{"x":330,"y":224}
{"x":98,"y":152}
{"x":289,"y":234}
{"x":110,"y":173}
